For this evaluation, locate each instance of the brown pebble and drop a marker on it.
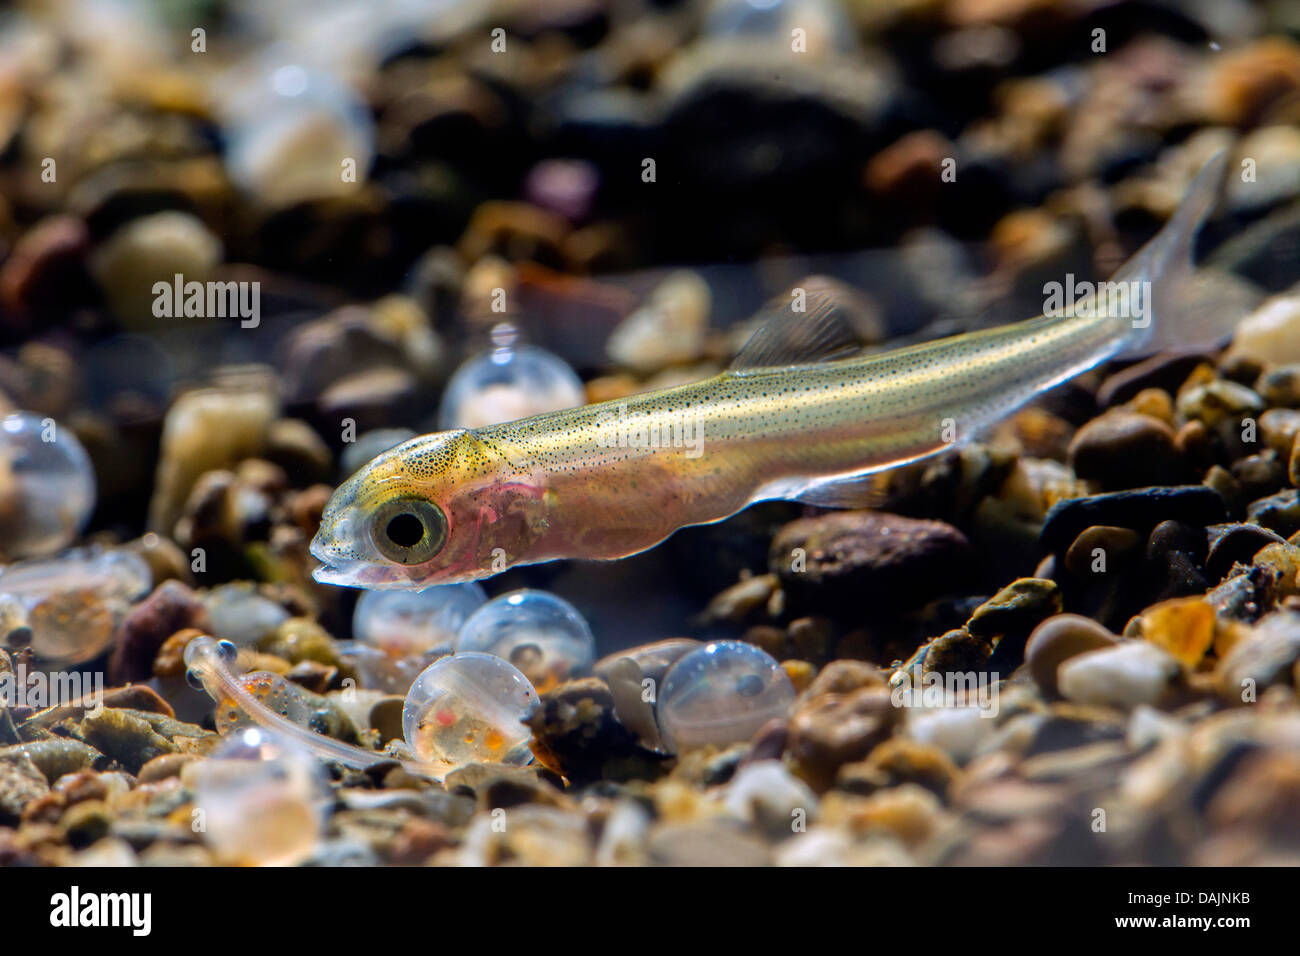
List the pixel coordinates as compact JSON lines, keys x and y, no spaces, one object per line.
{"x":1058,"y":639}
{"x":1101,"y":549}
{"x":1123,"y":449}
{"x":164,"y":766}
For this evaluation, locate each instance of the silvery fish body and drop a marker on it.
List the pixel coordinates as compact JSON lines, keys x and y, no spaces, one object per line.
{"x":609,"y":480}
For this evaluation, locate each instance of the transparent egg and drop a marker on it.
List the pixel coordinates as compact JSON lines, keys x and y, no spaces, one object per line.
{"x":296,"y":133}
{"x":721,"y":693}
{"x":47,"y":486}
{"x":371,"y":445}
{"x":508,"y":383}
{"x":411,"y":623}
{"x":469,"y":708}
{"x":257,"y":801}
{"x":237,"y":613}
{"x":541,"y":634}
{"x":825,"y":29}
{"x":72,"y":605}
{"x":375,"y":670}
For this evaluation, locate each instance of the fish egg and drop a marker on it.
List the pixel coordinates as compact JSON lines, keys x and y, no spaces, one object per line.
{"x":823,"y":27}
{"x":289,"y":130}
{"x":541,"y":634}
{"x":721,"y":693}
{"x":507,"y":383}
{"x":68,"y":608}
{"x":47,"y":485}
{"x":259,"y":800}
{"x":411,"y":623}
{"x":469,"y":708}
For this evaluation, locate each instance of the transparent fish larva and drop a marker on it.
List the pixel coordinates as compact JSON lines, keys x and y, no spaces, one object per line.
{"x":72,"y":605}
{"x":412,"y":623}
{"x":541,"y":634}
{"x":274,"y":693}
{"x":257,"y":800}
{"x":47,"y":485}
{"x":469,"y":708}
{"x":506,"y":383}
{"x":721,"y":693}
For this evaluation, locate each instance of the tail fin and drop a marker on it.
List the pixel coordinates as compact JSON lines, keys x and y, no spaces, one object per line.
{"x":1184,"y":310}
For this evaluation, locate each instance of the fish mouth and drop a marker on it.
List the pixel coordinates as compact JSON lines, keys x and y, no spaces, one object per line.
{"x":347,"y":572}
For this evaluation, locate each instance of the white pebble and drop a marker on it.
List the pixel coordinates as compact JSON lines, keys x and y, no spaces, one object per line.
{"x":765,"y":792}
{"x":1270,"y":334}
{"x":1123,"y":676}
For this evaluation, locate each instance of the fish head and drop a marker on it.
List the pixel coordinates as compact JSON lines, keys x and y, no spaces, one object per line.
{"x":433,"y":510}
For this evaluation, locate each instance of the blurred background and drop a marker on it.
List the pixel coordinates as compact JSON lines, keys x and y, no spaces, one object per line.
{"x":567,"y":200}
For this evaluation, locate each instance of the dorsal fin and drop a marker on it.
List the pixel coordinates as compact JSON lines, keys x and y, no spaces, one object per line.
{"x":820,"y":333}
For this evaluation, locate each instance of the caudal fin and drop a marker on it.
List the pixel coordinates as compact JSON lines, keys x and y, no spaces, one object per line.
{"x":1184,"y":309}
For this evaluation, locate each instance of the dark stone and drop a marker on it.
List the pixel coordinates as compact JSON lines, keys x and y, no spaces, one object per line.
{"x":1232,"y":543}
{"x":1279,"y":512}
{"x":1166,"y":370}
{"x":1141,"y":510}
{"x":1124,"y":449}
{"x":854,"y":559}
{"x":170,"y":608}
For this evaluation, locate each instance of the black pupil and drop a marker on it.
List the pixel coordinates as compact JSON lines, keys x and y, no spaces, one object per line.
{"x":405,"y":530}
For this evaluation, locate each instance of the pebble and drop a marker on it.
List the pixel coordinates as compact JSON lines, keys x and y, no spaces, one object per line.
{"x":1261,"y":659}
{"x":152,"y":249}
{"x":171,"y":607}
{"x":1131,"y":673}
{"x":667,"y":330}
{"x":831,"y":730}
{"x":206,"y":430}
{"x":960,"y":732}
{"x":767,"y":794}
{"x":533,"y":836}
{"x":1122,"y":449}
{"x":240,"y":614}
{"x":653,"y":659}
{"x":1222,"y":406}
{"x":1183,"y":626}
{"x":1139,"y":510}
{"x":1059,"y":639}
{"x":1279,"y":387}
{"x":1016,"y":609}
{"x":1235,"y":543}
{"x":1101,"y":549}
{"x":1271,"y":334}
{"x":1279,"y":513}
{"x":21,"y":782}
{"x":854,"y":557}
{"x":578,"y":730}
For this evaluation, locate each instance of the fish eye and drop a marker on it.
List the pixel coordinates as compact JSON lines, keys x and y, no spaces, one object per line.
{"x":409,"y":530}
